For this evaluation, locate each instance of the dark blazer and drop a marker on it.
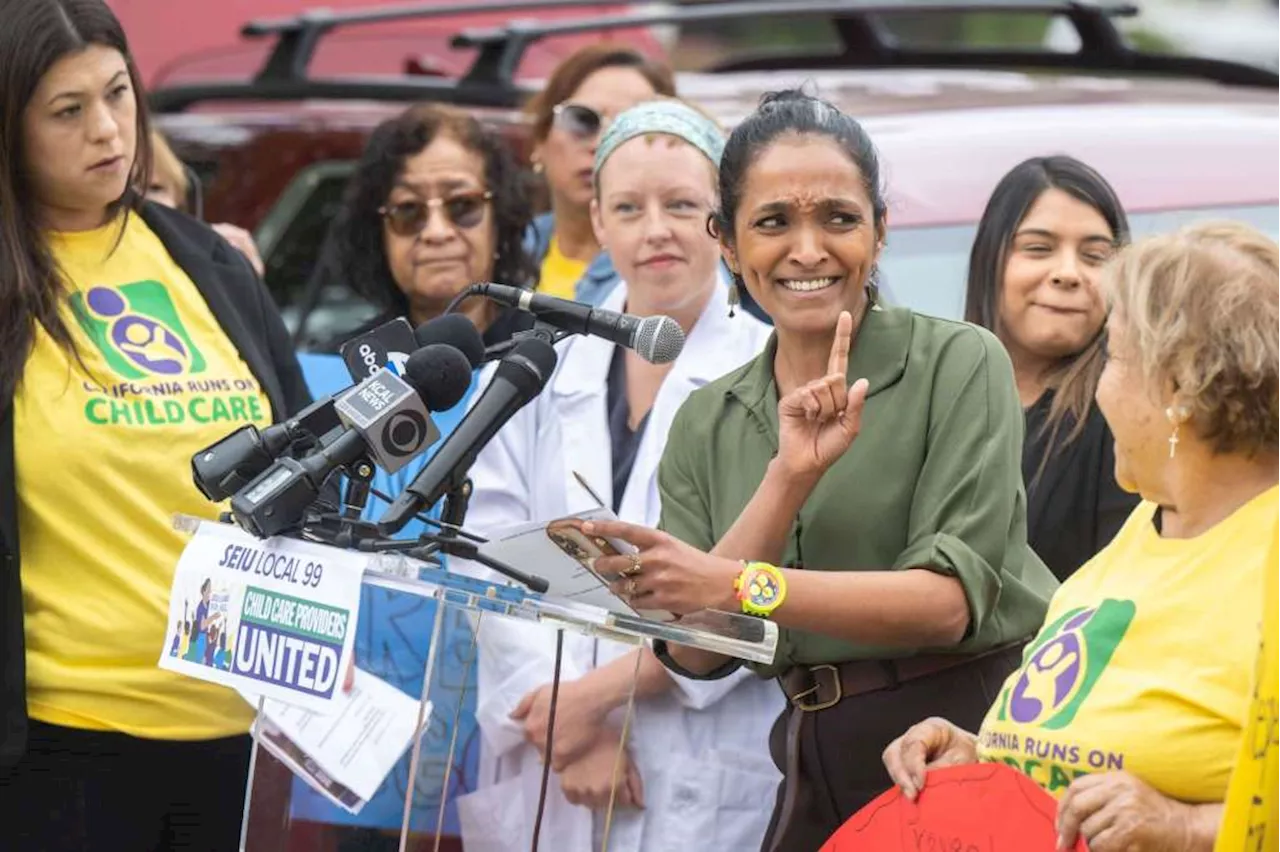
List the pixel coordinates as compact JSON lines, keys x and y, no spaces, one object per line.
{"x":251,"y":321}
{"x":1074,"y":505}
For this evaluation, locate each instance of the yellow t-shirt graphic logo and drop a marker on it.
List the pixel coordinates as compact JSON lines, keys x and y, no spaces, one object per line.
{"x":1065,"y":663}
{"x":138,"y":331}
{"x":1145,"y":661}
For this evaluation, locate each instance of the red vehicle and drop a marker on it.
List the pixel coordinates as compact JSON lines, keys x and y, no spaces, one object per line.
{"x":175,"y":42}
{"x":1179,"y":137}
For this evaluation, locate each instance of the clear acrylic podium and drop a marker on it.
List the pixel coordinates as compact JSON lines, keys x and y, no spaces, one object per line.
{"x":416,"y":630}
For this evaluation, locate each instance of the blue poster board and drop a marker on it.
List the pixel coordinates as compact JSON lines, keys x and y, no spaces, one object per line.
{"x":392,"y":640}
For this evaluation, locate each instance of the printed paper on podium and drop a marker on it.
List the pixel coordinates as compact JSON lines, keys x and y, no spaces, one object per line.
{"x":565,"y":557}
{"x":347,"y":752}
{"x":275,"y":617}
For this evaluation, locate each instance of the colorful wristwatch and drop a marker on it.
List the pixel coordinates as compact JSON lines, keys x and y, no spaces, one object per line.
{"x":761,"y":588}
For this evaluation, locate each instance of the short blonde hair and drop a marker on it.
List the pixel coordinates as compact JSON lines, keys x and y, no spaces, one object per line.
{"x":167,"y":170}
{"x":1201,"y":308}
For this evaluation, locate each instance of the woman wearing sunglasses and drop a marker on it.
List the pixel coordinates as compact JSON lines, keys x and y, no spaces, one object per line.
{"x":694,"y":768}
{"x":581,"y":98}
{"x":434,"y":206}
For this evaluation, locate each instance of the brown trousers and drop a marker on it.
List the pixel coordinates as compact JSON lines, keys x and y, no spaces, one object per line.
{"x":840,"y":769}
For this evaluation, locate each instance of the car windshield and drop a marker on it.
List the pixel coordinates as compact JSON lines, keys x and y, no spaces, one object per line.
{"x":924,"y":268}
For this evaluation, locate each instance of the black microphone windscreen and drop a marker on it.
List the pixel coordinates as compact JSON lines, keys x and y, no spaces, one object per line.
{"x":529,"y":365}
{"x":455,"y":330}
{"x":440,"y":374}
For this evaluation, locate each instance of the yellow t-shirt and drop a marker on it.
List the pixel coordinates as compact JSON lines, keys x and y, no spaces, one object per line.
{"x":560,"y":275}
{"x":1249,"y":823}
{"x":1142,"y":664}
{"x":103,"y":462}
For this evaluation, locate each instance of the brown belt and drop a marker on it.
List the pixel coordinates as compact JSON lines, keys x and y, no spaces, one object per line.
{"x":813,"y":688}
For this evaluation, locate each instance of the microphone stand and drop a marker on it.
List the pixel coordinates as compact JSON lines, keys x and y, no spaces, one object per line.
{"x":454,"y":510}
{"x":540,"y":329}
{"x":359,"y":475}
{"x":363,"y":536}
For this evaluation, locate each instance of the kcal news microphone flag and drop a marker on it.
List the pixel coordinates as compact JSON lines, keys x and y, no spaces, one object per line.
{"x":273,"y":617}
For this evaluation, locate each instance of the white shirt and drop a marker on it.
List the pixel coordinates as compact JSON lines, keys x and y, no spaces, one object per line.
{"x":702,"y":748}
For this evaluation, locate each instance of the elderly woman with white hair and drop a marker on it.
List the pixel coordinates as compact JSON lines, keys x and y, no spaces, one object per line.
{"x":695,"y":770}
{"x":1131,"y":701}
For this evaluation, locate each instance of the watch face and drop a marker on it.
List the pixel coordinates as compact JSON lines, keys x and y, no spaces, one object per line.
{"x":762,"y":589}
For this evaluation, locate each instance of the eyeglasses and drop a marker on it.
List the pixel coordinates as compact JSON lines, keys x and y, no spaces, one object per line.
{"x":464,"y":210}
{"x":580,"y":122}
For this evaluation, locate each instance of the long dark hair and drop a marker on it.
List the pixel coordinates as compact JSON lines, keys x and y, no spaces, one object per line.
{"x":355,"y":251}
{"x":1075,"y":378}
{"x":35,"y":35}
{"x":780,"y":114}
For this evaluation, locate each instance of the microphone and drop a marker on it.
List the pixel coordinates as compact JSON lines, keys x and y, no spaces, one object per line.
{"x":386,"y":419}
{"x":390,"y":344}
{"x":519,"y":378}
{"x":457,"y":331}
{"x":224,"y":467}
{"x":657,"y":340}
{"x":387,"y":346}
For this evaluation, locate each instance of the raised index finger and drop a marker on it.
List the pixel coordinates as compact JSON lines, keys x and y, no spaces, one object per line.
{"x":839,"y":362}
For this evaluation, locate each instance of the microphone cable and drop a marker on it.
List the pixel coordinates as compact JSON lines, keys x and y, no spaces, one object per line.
{"x":467,"y":293}
{"x":550,"y":740}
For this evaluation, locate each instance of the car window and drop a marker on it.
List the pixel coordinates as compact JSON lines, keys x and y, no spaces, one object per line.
{"x":925,"y":268}
{"x":290,"y":238}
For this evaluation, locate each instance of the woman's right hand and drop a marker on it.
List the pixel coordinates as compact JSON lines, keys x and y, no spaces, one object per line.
{"x":932,"y":743}
{"x":818,"y":421}
{"x":579,"y":719}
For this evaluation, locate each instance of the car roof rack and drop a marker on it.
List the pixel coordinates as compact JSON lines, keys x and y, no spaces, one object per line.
{"x":867,"y":44}
{"x":284,"y":74}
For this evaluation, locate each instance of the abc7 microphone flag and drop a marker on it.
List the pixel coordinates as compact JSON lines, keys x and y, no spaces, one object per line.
{"x":389,"y":345}
{"x":274,"y":617}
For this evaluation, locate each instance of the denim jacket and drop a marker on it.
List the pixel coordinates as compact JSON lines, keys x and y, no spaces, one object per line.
{"x":599,"y":279}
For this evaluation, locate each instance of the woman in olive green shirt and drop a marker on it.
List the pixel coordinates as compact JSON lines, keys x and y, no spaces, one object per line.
{"x":918,"y":586}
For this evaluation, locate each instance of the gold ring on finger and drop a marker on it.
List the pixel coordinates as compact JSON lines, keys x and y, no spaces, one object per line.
{"x":632,"y":570}
{"x":632,"y":587}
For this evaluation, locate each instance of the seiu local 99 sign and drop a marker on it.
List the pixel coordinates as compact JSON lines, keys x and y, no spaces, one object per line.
{"x":275,"y":618}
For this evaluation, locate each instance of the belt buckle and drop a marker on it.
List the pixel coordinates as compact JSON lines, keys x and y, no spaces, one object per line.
{"x":797,"y":699}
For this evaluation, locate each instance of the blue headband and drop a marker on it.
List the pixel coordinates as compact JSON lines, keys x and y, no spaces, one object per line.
{"x":670,"y":117}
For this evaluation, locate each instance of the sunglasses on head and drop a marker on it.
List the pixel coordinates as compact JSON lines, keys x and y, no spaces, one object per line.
{"x":463,"y":209}
{"x":580,"y":122}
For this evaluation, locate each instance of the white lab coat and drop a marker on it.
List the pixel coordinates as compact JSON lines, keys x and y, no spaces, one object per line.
{"x":702,"y":748}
